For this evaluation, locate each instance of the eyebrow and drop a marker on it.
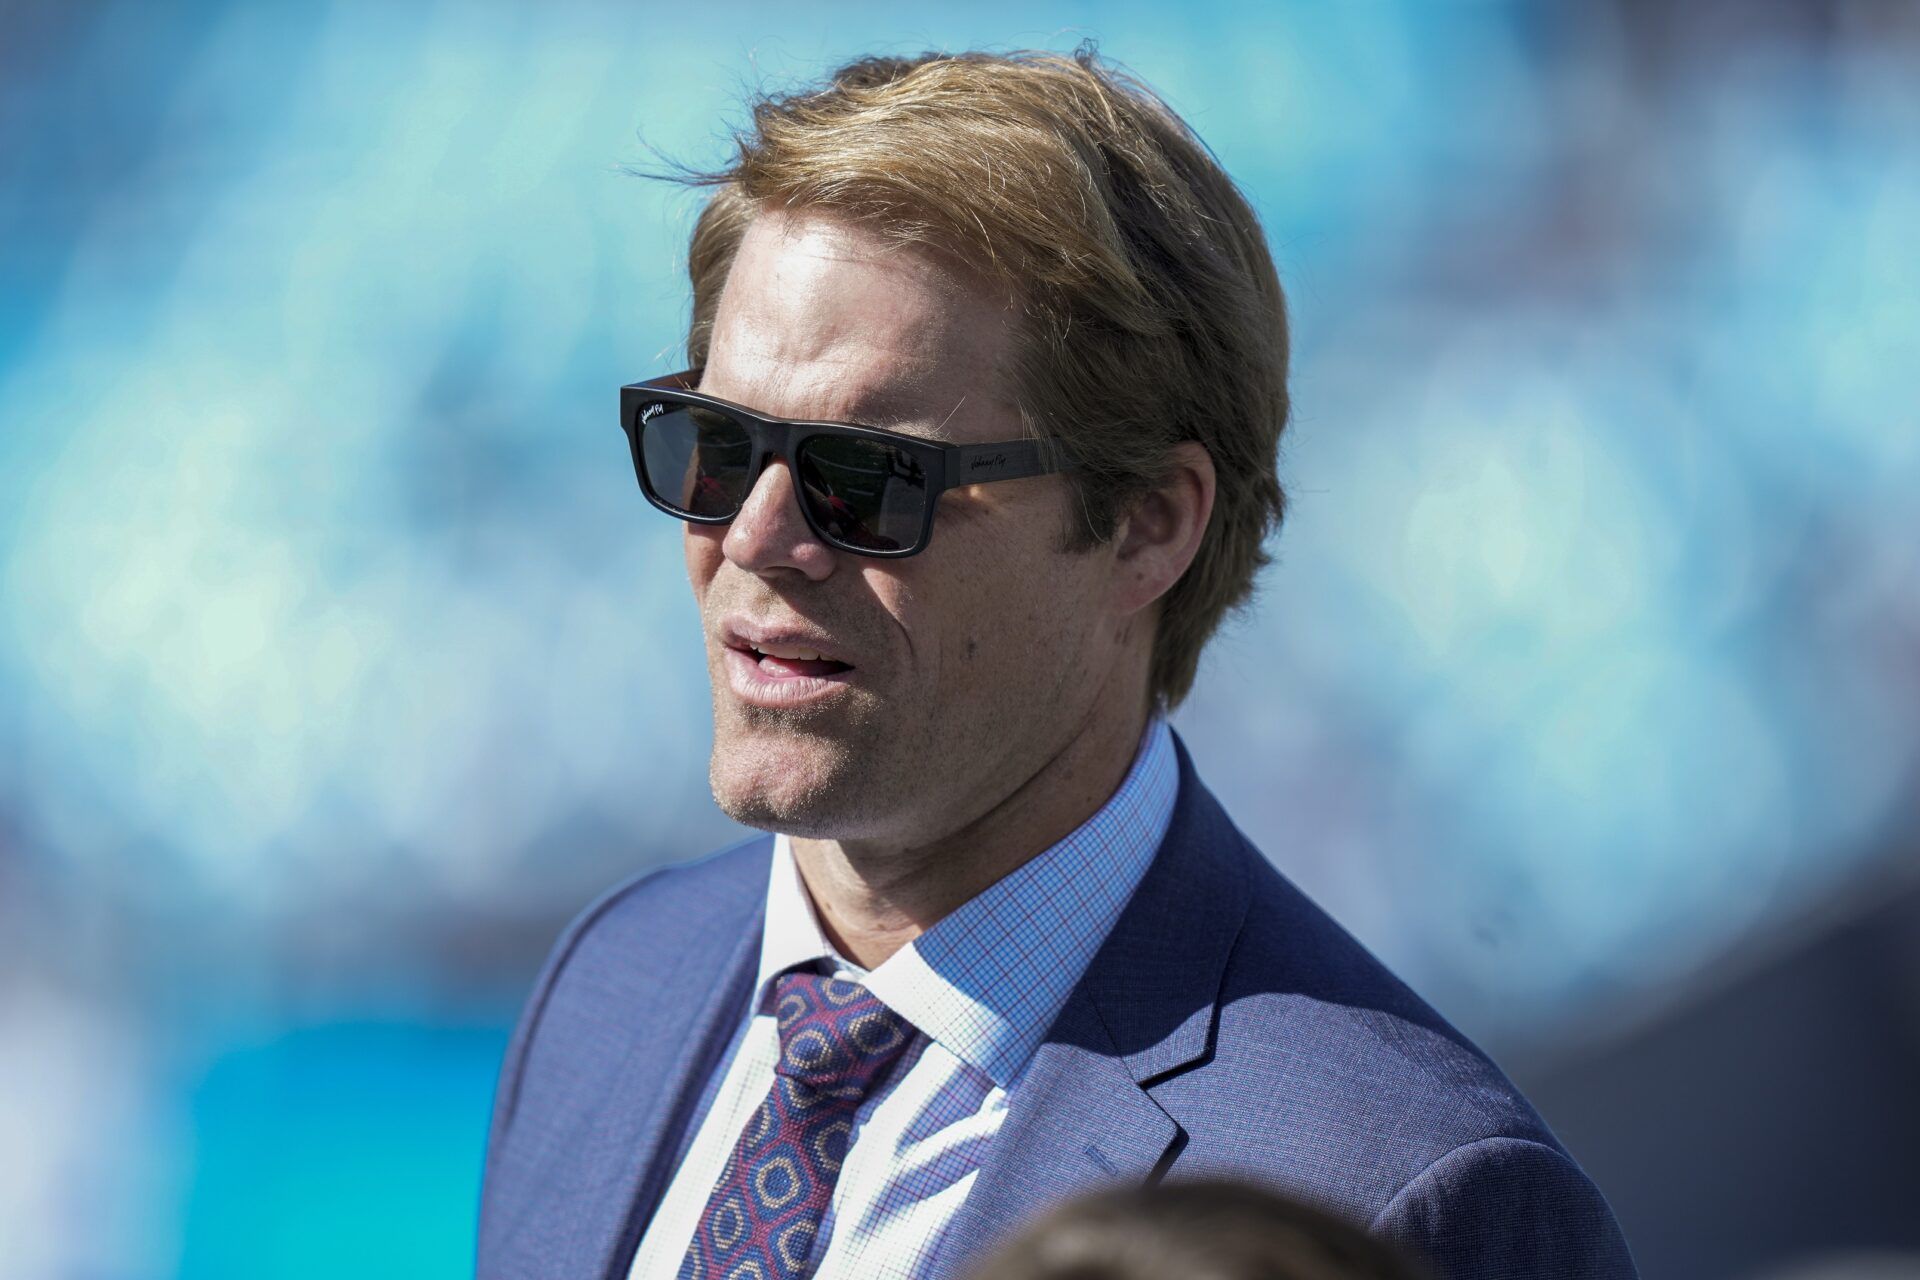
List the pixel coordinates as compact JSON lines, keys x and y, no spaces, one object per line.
{"x":891,"y":411}
{"x":889,"y":407}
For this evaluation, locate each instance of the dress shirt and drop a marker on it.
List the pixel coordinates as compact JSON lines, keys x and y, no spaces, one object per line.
{"x":981,"y":988}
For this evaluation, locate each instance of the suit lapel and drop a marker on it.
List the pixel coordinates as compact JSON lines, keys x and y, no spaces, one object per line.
{"x":1083,"y":1114}
{"x":648,"y":1139}
{"x":604,"y":1180}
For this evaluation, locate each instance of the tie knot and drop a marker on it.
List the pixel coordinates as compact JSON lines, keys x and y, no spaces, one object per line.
{"x":835,"y":1035}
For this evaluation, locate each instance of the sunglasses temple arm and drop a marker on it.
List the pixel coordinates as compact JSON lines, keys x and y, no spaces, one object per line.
{"x":981,"y":463}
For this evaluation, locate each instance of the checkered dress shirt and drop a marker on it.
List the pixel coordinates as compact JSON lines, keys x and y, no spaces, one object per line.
{"x":981,"y":987}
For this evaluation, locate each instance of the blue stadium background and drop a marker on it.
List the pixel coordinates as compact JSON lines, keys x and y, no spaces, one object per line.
{"x":341,"y":661}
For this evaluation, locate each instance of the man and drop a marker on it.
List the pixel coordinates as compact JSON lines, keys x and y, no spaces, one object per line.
{"x":978,"y":447}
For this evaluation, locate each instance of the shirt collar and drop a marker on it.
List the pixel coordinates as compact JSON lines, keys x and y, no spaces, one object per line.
{"x":987,"y":982}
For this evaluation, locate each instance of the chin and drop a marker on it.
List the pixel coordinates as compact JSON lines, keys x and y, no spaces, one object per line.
{"x":792,"y":783}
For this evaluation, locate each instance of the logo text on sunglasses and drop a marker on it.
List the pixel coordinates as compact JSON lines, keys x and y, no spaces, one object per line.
{"x":651,"y":412}
{"x":994,"y":461}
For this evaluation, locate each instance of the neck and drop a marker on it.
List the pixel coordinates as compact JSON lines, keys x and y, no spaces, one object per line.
{"x":873,"y":897}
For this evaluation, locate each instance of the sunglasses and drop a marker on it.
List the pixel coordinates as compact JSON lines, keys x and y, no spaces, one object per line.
{"x":862,"y":489}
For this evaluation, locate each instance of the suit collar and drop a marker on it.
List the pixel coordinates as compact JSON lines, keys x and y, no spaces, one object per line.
{"x":1082,"y":1115}
{"x":1156,"y":981}
{"x":987,"y":981}
{"x":668,"y":1068}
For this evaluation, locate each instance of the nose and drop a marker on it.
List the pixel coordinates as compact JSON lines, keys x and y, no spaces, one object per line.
{"x":771,"y":534}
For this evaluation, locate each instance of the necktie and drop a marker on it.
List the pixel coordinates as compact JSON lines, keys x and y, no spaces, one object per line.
{"x":837,"y":1041}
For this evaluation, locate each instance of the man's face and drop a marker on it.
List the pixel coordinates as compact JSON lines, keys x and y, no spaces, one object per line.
{"x":967,"y":667}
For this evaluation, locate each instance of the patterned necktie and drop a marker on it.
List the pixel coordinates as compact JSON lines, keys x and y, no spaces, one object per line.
{"x":837,"y":1041}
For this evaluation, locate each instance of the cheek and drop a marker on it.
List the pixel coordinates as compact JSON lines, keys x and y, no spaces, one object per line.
{"x":1008,"y":614}
{"x":701,"y":546}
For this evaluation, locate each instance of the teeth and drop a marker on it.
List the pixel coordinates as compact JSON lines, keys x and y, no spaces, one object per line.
{"x":791,"y":652}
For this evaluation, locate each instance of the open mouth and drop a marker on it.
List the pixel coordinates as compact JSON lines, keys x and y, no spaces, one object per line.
{"x":788,"y":662}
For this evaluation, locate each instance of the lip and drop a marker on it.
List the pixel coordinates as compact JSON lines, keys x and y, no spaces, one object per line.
{"x":741,"y":633}
{"x":752,"y":684}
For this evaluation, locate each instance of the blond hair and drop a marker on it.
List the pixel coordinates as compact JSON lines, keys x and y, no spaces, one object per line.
{"x":1150,"y":309}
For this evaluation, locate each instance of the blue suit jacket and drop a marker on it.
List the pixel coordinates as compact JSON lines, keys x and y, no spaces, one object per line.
{"x":1227,"y":1025}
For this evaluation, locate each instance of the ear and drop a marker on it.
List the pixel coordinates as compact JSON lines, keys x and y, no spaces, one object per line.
{"x":1159,"y":536}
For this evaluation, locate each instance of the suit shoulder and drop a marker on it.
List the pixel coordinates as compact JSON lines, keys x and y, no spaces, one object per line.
{"x":1296,"y":951}
{"x":664,"y":909}
{"x":604,"y":965}
{"x":630,"y":962}
{"x":1326,"y":1065}
{"x":726,"y":880}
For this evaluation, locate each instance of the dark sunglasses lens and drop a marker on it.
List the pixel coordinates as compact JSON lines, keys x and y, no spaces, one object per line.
{"x":864,"y":494}
{"x":697,"y":460}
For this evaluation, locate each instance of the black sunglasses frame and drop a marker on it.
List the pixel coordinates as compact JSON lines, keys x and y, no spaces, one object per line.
{"x":946,"y":466}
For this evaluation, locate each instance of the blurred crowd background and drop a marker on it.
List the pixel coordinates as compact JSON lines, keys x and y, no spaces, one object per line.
{"x":341,"y":660}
